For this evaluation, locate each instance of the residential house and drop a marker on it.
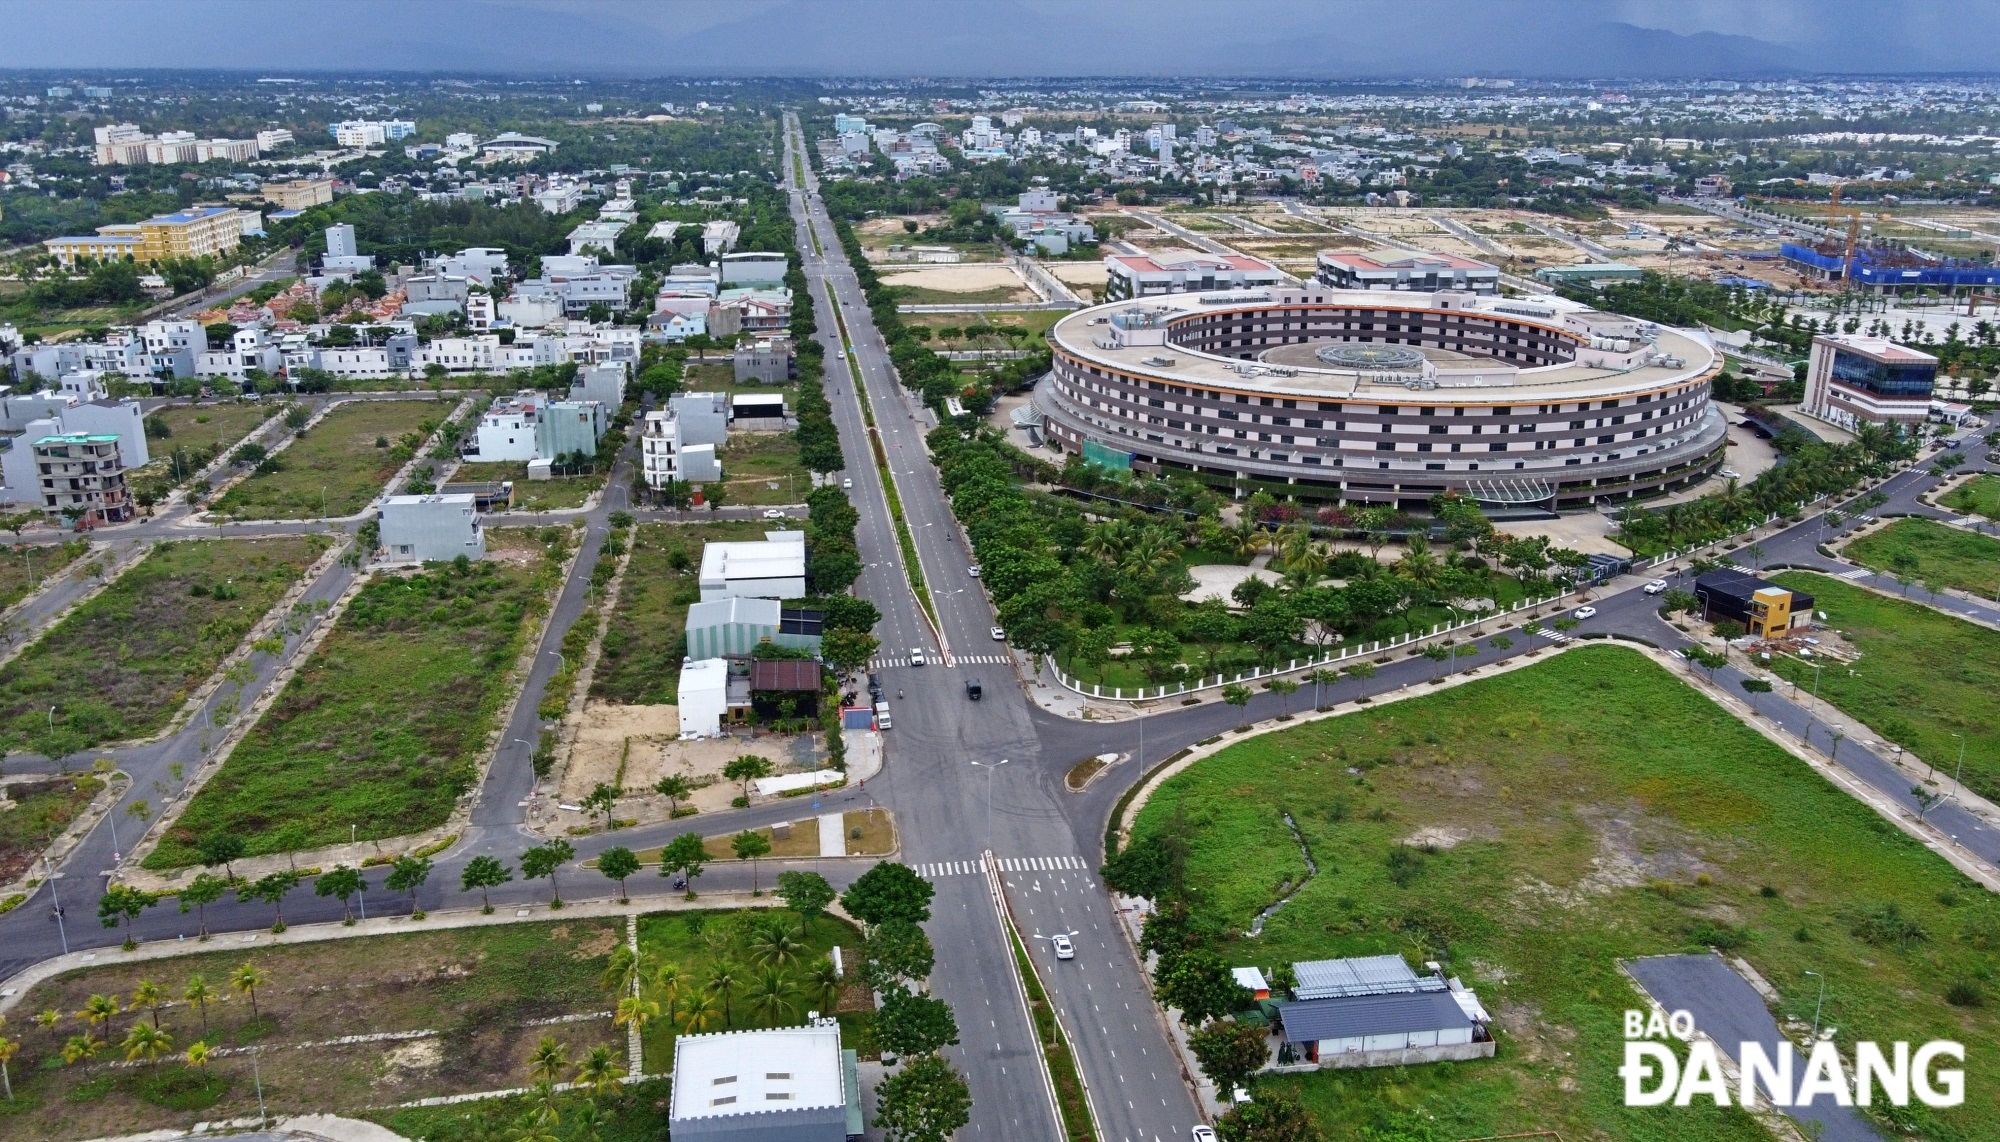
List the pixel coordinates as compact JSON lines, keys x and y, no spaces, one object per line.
{"x":433,"y":528}
{"x":81,"y":476}
{"x":771,"y":568}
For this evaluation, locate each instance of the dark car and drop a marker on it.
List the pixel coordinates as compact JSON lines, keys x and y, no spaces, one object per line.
{"x":972,"y":688}
{"x":874,"y":686}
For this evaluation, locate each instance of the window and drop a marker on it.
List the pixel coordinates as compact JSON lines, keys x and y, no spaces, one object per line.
{"x":723,"y":1080}
{"x":778,"y":1096}
{"x":725,"y":1100}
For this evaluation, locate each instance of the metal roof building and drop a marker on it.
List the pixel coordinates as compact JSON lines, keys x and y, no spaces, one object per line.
{"x":1359,"y":975}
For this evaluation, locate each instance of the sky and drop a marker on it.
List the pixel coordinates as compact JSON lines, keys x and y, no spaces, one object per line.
{"x":1316,"y":39}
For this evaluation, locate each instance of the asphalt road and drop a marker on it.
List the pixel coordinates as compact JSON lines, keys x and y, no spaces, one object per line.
{"x":963,"y":777}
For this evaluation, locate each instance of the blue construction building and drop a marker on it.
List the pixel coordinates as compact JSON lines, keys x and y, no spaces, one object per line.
{"x":1894,"y":271}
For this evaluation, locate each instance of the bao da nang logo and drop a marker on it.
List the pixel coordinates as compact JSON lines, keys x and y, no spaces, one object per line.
{"x":1665,"y":1063}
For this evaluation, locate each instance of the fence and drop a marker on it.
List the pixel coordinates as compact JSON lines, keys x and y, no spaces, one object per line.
{"x":1147,"y":693}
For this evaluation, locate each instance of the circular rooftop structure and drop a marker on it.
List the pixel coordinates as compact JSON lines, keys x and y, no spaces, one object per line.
{"x":1371,"y":357}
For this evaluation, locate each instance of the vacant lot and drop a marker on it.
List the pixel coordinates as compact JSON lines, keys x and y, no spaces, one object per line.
{"x":385,"y":725}
{"x":635,"y":1113}
{"x":40,"y":809}
{"x":764,"y":468}
{"x":1926,"y":551}
{"x":1530,"y":830}
{"x":479,"y":998}
{"x":338,"y":465}
{"x":534,"y":495}
{"x":121,"y":664}
{"x":200,"y":426}
{"x":642,"y":651}
{"x":768,"y":988}
{"x":26,"y":566}
{"x":1979,"y":495}
{"x":1922,"y":676}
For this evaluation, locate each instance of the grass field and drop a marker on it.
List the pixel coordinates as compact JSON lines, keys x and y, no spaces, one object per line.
{"x":197,"y":426}
{"x":635,"y":1113}
{"x":920,"y":295}
{"x":384,"y":726}
{"x":641,"y":659}
{"x":697,"y":942}
{"x":1922,"y":676}
{"x":1580,"y":811}
{"x":40,"y":810}
{"x":1979,"y":495}
{"x":121,"y":664}
{"x":337,"y":466}
{"x":26,"y":566}
{"x":535,"y":495}
{"x":479,"y":990}
{"x":764,"y":468}
{"x":1929,"y":552}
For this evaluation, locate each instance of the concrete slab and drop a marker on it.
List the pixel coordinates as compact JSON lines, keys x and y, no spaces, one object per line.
{"x":832,"y":835}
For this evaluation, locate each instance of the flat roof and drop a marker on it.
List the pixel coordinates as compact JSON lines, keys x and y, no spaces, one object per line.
{"x":754,"y":559}
{"x":1359,"y":975}
{"x":1406,"y":262}
{"x":1081,"y":335}
{"x":731,"y":1073}
{"x":704,"y":674}
{"x":1359,"y":1016}
{"x":1880,"y":348}
{"x":1169,"y":261}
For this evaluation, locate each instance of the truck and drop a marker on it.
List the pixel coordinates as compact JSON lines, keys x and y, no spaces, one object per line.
{"x":882,"y":715}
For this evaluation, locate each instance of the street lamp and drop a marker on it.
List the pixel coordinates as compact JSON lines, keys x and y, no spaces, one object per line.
{"x":1958,"y":784}
{"x":991,"y":767}
{"x":1817,"y":1006}
{"x":62,"y":930}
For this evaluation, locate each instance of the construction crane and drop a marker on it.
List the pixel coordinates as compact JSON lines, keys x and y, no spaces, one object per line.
{"x":1853,"y":234}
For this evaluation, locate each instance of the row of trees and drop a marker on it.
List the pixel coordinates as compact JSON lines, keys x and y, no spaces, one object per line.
{"x":1809,"y":469}
{"x":145,"y":1040}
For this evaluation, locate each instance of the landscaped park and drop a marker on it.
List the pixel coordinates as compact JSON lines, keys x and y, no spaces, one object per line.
{"x":1530,"y":830}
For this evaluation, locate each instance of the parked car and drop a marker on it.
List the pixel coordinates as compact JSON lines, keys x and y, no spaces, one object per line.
{"x":916,"y":656}
{"x":973,"y":570}
{"x":847,"y":482}
{"x":874,"y":687}
{"x":999,"y":635}
{"x":1064,"y":949}
{"x":774,"y":513}
{"x":1584,"y":612}
{"x":1656,"y":586}
{"x":1204,"y":1134}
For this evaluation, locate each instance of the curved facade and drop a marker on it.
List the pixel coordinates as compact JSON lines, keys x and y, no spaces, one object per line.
{"x":1386,"y":397}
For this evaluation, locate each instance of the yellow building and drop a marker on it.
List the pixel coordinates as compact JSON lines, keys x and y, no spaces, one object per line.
{"x":196,"y":232}
{"x":1770,"y":612}
{"x":299,"y":193}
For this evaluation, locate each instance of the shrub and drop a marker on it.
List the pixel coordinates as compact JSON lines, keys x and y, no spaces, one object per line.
{"x":1965,"y":993}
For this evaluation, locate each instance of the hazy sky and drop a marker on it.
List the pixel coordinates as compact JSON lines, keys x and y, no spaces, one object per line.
{"x":943,"y":38}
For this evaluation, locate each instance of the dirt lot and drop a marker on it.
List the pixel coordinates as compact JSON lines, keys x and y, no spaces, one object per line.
{"x":469,"y":1006}
{"x":1077,"y":273}
{"x":654,"y":733}
{"x":958,"y":279}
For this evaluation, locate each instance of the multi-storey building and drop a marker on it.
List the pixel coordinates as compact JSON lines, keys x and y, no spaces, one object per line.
{"x":1853,"y":380}
{"x":1385,"y":397}
{"x":1186,"y":271}
{"x":199,"y":231}
{"x":81,"y":475}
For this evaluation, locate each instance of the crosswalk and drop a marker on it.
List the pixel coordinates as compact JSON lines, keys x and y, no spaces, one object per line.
{"x":1857,"y":573}
{"x":983,"y":659}
{"x":1552,"y":634}
{"x":886,"y":662}
{"x":937,"y":869}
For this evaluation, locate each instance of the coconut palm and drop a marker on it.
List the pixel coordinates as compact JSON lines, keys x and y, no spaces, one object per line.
{"x":723,"y":976}
{"x":775,"y":946}
{"x":199,"y":993}
{"x":823,"y":980}
{"x":587,"y":1122}
{"x":620,"y":969}
{"x":48,"y":1018}
{"x":669,"y":981}
{"x":549,"y":1060}
{"x":145,"y":1041}
{"x":8,"y":1048}
{"x":600,"y":1071}
{"x":197,"y":1055}
{"x":636,"y":1012}
{"x":773,"y":995}
{"x":147,"y":994}
{"x":698,"y":1012}
{"x":246,"y":979}
{"x":97,"y":1011}
{"x":78,"y":1048}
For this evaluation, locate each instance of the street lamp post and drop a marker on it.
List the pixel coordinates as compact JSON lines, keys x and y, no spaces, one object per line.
{"x":1819,"y":1004}
{"x":62,"y":930}
{"x":1957,"y":777}
{"x":991,"y":767}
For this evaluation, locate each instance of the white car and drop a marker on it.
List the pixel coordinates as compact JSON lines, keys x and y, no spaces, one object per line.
{"x":1656,"y":586}
{"x":973,"y":570}
{"x":1584,"y":612}
{"x":848,"y":482}
{"x":916,"y":656}
{"x":1064,"y":949}
{"x":1204,"y":1134}
{"x":774,"y":513}
{"x":999,"y":635}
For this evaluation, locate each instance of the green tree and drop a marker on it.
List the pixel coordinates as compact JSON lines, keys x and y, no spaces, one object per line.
{"x":271,"y":889}
{"x":408,"y":874}
{"x":675,"y":788}
{"x":806,"y":893}
{"x":220,"y":849}
{"x":602,"y":799}
{"x":912,"y":1024}
{"x":145,"y":1041}
{"x":8,"y":1049}
{"x":749,"y":845}
{"x":889,"y":891}
{"x":245,"y":980}
{"x":1199,"y":983}
{"x":618,"y":862}
{"x":773,"y":996}
{"x":1273,"y":1117}
{"x":199,"y":993}
{"x":1284,"y":688}
{"x":1230,"y":1052}
{"x":848,"y":649}
{"x":1238,"y":696}
{"x":927,"y":1102}
{"x":897,"y":950}
{"x":543,"y":860}
{"x":686,"y":855}
{"x":745,"y":769}
{"x":204,"y":890}
{"x":485,"y":873}
{"x":148,"y":995}
{"x":343,"y":883}
{"x":122,"y":904}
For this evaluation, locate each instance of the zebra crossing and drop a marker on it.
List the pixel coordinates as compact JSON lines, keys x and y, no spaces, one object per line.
{"x":984,"y":659}
{"x":937,"y":869}
{"x":1552,"y":634}
{"x":1857,"y":573}
{"x":884,"y":663}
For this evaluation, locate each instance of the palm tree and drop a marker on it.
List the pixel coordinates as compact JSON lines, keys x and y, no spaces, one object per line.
{"x":8,"y":1048}
{"x":620,"y":969}
{"x":773,"y":995}
{"x":147,"y":994}
{"x":776,"y":947}
{"x":246,"y":979}
{"x":600,"y":1071}
{"x":698,"y":1013}
{"x":48,"y":1018}
{"x":636,"y":1012}
{"x":97,"y":1011}
{"x":145,"y":1041}
{"x":588,"y":1122}
{"x":669,"y":981}
{"x":78,"y":1048}
{"x":197,"y":1055}
{"x":549,"y":1060}
{"x":198,"y":993}
{"x":825,"y":982}
{"x":722,"y":980}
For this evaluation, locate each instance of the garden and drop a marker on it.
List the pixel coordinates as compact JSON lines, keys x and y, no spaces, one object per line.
{"x":1926,"y":681}
{"x":121,"y":664}
{"x":1977,"y":496}
{"x":1917,"y":550}
{"x":123,"y":1048}
{"x":387,"y":722}
{"x":1529,"y":831}
{"x":335,"y":468}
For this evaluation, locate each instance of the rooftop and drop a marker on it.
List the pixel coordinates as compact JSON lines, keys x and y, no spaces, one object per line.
{"x":785,"y":674}
{"x":1880,"y":348}
{"x":1358,"y":1016}
{"x":1406,"y":262}
{"x":1359,"y":975}
{"x":754,"y":1072}
{"x":1170,"y":261}
{"x":768,"y":558}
